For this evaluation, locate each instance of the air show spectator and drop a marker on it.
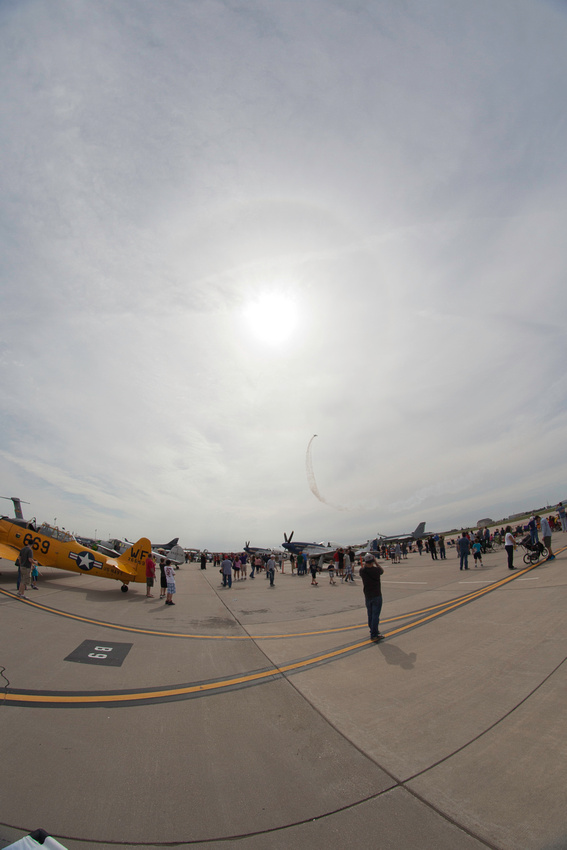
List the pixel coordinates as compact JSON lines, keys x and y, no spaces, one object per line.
{"x":370,"y":574}
{"x":347,"y":564}
{"x":26,"y":562}
{"x":169,"y":570}
{"x":271,"y":569}
{"x":313,"y":571}
{"x":162,"y":579}
{"x":463,"y":549}
{"x":34,"y":576}
{"x":546,"y":534}
{"x":510,"y":545}
{"x":226,"y":568}
{"x":477,"y":552}
{"x":532,"y":525}
{"x":150,"y":575}
{"x":332,"y":573}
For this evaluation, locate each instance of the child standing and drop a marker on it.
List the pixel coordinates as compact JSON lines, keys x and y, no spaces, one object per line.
{"x":34,"y":576}
{"x":162,"y":579}
{"x":170,"y":578}
{"x":313,"y":570}
{"x":477,"y":552}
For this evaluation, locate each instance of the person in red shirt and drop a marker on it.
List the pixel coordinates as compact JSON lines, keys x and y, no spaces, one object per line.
{"x":150,"y":574}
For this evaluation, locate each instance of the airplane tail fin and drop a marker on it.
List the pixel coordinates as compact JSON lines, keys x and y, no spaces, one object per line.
{"x":133,"y":561}
{"x":420,"y":530}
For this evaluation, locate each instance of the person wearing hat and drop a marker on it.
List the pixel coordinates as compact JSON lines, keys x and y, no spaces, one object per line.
{"x":532,"y":525}
{"x":370,"y":573}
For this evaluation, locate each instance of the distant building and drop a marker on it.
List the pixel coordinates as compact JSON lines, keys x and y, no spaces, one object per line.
{"x":482,"y":523}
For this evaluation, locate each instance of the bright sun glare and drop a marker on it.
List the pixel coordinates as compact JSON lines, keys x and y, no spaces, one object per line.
{"x":272,"y":317}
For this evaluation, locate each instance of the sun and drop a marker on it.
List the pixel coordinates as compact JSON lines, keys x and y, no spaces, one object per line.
{"x":272,"y":317}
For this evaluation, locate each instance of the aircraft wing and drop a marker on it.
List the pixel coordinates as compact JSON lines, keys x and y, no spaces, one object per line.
{"x":313,"y":551}
{"x":10,"y":553}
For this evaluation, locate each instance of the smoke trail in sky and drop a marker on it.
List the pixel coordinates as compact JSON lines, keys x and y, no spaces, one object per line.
{"x":311,"y":479}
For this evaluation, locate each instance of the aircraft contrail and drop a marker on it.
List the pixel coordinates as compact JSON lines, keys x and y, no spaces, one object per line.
{"x":311,"y":478}
{"x":309,"y":471}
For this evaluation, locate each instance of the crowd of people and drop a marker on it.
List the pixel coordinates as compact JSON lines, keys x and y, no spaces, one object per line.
{"x":476,"y":543}
{"x":241,"y":566}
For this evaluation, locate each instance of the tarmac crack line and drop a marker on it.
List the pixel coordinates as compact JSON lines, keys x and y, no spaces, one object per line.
{"x":492,"y":725}
{"x":272,"y":830}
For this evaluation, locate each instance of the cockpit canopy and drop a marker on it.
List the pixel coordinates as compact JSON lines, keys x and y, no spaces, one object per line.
{"x":56,"y":533}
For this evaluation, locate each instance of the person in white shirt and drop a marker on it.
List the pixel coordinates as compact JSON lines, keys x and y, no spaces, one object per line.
{"x":169,"y":571}
{"x":510,"y":545}
{"x":546,"y":534}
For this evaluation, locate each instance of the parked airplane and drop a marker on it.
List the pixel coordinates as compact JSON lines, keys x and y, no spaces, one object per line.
{"x":17,"y":505}
{"x":374,"y":545}
{"x":54,"y":547}
{"x":257,"y":550}
{"x":115,"y":548}
{"x":309,"y":549}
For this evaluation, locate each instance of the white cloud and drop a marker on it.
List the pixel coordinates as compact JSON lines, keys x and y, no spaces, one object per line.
{"x":397,"y":172}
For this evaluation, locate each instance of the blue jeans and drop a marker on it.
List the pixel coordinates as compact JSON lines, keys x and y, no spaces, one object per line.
{"x":270,"y":574}
{"x":374,"y":607}
{"x":226,"y":579}
{"x":464,"y":560}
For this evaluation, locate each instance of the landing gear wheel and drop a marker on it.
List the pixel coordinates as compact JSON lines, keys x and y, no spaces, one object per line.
{"x":124,"y":588}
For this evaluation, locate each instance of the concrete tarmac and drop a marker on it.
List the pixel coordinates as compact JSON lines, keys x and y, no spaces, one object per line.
{"x":258,"y":717}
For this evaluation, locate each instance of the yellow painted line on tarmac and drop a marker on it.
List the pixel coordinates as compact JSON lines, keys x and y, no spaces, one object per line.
{"x":46,"y":699}
{"x":464,"y":600}
{"x":337,"y":630}
{"x":157,"y":633}
{"x":184,"y":690}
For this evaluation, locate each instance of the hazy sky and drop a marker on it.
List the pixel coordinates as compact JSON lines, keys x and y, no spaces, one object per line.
{"x":228,"y":226}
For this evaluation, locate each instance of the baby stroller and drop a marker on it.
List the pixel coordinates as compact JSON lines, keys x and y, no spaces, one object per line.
{"x":534,"y":551}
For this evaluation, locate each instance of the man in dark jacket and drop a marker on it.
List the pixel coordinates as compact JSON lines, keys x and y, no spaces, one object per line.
{"x":26,"y":562}
{"x":370,"y":573}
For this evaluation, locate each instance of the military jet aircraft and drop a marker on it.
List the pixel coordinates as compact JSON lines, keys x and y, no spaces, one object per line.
{"x":55,"y":547}
{"x":17,"y":502}
{"x":374,"y":545}
{"x":115,"y":548}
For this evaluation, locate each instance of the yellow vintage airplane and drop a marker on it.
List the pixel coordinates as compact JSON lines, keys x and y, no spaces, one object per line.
{"x":54,"y":547}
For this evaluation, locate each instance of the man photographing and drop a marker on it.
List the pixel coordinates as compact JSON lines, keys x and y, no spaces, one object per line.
{"x":370,"y":573}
